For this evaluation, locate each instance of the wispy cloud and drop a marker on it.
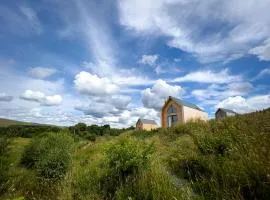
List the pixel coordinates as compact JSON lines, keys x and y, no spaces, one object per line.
{"x":42,"y":72}
{"x":149,"y":59}
{"x":22,"y":20}
{"x":263,"y":73}
{"x":5,"y":97}
{"x":233,"y":32}
{"x":209,"y":76}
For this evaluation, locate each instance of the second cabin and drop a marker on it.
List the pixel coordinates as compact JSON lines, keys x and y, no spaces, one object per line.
{"x":178,"y":111}
{"x":146,"y":124}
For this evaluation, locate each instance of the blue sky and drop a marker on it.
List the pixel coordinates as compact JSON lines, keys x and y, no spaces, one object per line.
{"x":111,"y":62}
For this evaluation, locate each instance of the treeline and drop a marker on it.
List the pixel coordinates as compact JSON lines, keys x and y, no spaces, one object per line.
{"x":80,"y":130}
{"x":28,"y":131}
{"x":92,"y":131}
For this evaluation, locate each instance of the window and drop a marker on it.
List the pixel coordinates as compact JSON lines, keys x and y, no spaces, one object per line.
{"x":171,"y":109}
{"x":171,"y":120}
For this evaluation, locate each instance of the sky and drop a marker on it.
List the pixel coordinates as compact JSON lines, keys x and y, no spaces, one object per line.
{"x":113,"y":61}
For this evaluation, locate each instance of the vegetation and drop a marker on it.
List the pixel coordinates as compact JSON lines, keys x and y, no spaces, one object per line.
{"x":50,"y":156}
{"x":4,"y":164}
{"x":226,"y":159}
{"x":9,"y":122}
{"x":27,"y":131}
{"x":91,"y":132}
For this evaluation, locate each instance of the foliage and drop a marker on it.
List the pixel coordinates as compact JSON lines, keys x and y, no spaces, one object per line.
{"x":28,"y":131}
{"x":90,"y":132}
{"x":4,"y":164}
{"x":226,"y":159}
{"x":231,"y":158}
{"x":50,"y":156}
{"x":124,"y":160}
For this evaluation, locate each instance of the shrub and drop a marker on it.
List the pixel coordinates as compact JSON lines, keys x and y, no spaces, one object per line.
{"x":50,"y":156}
{"x":4,"y":142}
{"x":91,"y":137}
{"x":4,"y":164}
{"x":124,"y":160}
{"x":31,"y":154}
{"x":195,"y":169}
{"x":213,"y":144}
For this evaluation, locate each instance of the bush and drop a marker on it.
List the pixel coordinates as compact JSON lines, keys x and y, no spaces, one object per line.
{"x":213,"y":144}
{"x":50,"y":156}
{"x":91,"y":137}
{"x":195,"y":169}
{"x":4,"y":164}
{"x":31,"y":154}
{"x":124,"y":160}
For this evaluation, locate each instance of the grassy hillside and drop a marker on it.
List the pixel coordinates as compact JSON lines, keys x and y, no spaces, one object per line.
{"x":227,"y":159}
{"x":9,"y":122}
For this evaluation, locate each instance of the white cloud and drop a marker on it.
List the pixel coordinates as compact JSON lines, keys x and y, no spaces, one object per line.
{"x":244,"y":105}
{"x":41,"y":72}
{"x":52,"y":100}
{"x":214,"y":92}
{"x":262,"y":51}
{"x":154,"y":97}
{"x":41,"y":98}
{"x":5,"y":97}
{"x":209,"y":76}
{"x":120,"y":101}
{"x":148,"y":59}
{"x":91,"y":84}
{"x":105,"y":106}
{"x":262,"y":73}
{"x":130,"y":117}
{"x":185,"y":25}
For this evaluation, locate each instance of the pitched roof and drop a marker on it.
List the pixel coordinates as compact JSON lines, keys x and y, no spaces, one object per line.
{"x":227,"y":110}
{"x":147,"y":121}
{"x":185,"y":103}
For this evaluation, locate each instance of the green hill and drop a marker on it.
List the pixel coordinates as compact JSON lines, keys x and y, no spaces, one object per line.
{"x":9,"y":122}
{"x":226,"y":159}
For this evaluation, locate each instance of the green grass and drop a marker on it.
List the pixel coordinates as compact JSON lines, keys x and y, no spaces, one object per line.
{"x":227,"y":159}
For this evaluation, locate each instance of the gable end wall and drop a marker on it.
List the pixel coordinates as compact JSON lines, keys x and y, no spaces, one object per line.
{"x":193,"y":114}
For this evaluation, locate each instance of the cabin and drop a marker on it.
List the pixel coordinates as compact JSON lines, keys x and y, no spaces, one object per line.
{"x":223,"y":112}
{"x":176,"y":111}
{"x":146,"y":124}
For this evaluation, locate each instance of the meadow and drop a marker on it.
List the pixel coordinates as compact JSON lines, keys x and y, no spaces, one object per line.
{"x":226,"y":159}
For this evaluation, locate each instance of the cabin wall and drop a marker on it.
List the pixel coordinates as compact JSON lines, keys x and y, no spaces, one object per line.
{"x":149,"y":127}
{"x":193,"y":114}
{"x":139,"y":126}
{"x":220,"y":114}
{"x":164,"y":114}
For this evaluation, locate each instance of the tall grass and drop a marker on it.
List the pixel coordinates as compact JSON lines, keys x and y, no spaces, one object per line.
{"x":226,"y":159}
{"x":4,"y":163}
{"x":231,"y":158}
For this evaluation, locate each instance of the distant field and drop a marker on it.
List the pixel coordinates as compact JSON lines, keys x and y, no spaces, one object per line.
{"x":9,"y":122}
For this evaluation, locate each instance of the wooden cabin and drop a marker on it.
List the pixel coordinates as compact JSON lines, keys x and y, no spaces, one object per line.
{"x":146,"y":124}
{"x":223,"y":112}
{"x":178,"y":111}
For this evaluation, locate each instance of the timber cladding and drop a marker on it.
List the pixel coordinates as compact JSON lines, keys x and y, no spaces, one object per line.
{"x":176,"y":111}
{"x":164,"y":114}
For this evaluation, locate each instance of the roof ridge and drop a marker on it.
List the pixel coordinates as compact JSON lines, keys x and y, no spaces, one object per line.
{"x":186,"y":103}
{"x":150,"y":121}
